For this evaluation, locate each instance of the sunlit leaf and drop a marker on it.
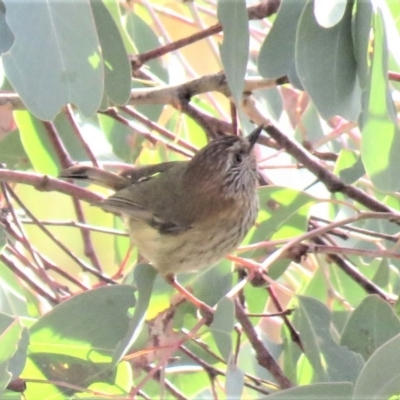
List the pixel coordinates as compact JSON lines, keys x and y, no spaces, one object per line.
{"x":380,"y":117}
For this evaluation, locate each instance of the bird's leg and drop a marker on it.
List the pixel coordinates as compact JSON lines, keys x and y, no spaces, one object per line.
{"x":206,"y":311}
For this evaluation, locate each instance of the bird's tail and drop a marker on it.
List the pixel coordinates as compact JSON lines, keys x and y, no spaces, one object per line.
{"x":95,"y":175}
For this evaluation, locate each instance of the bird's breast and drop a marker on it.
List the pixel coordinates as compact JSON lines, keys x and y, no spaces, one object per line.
{"x":205,"y":243}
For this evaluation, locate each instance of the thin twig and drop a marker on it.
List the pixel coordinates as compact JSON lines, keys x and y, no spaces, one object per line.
{"x":355,"y":274}
{"x":293,"y":333}
{"x":72,"y":120}
{"x":258,"y":11}
{"x":39,"y":290}
{"x":113,"y":114}
{"x":212,"y":371}
{"x":263,"y":356}
{"x":45,"y":183}
{"x":331,"y":181}
{"x":83,"y":265}
{"x":75,"y":224}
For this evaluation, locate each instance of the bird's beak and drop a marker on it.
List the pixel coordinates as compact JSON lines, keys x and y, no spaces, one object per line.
{"x":252,"y":138}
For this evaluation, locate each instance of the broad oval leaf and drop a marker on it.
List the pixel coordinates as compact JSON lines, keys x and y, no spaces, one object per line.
{"x":380,"y":377}
{"x":55,"y":58}
{"x":326,"y":65}
{"x":330,"y":361}
{"x":320,"y":391}
{"x":370,"y":325}
{"x":277,"y":51}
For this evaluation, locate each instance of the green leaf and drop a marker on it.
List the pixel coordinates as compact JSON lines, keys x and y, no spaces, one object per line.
{"x":12,"y":152}
{"x":116,"y":64}
{"x":36,"y":142}
{"x":380,"y":152}
{"x":96,"y":320}
{"x":77,"y":338}
{"x":326,"y":65}
{"x":145,"y":39}
{"x":283,"y":213}
{"x":310,"y":126}
{"x":234,"y":381}
{"x":70,"y":139}
{"x":12,"y":293}
{"x":277,"y":51}
{"x":12,"y":355}
{"x":144,"y":279}
{"x":125,"y":143}
{"x":382,"y":275}
{"x":380,"y":377}
{"x":349,"y":166}
{"x":362,"y":20}
{"x":371,"y":324}
{"x":222,"y":327}
{"x":55,"y":58}
{"x":320,"y":391}
{"x":234,"y":51}
{"x":329,"y":13}
{"x":114,"y":9}
{"x":272,"y":100}
{"x":212,"y":284}
{"x":330,"y":361}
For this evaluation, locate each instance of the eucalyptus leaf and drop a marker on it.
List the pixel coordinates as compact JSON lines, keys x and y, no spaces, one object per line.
{"x":276,"y":55}
{"x":326,"y":65}
{"x":330,"y":361}
{"x":380,"y":377}
{"x":232,"y":14}
{"x":55,"y":66}
{"x":320,"y":391}
{"x":380,"y":144}
{"x":371,"y":324}
{"x":144,"y":279}
{"x":222,"y":326}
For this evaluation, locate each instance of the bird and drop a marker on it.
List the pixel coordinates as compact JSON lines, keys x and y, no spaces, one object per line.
{"x":184,"y":216}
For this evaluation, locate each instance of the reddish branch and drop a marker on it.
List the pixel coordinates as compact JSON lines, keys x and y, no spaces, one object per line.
{"x":259,"y":11}
{"x":263,"y":356}
{"x":331,"y":181}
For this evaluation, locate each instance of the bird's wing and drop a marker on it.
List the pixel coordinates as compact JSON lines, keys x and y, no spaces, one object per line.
{"x":112,"y":180}
{"x":143,"y":201}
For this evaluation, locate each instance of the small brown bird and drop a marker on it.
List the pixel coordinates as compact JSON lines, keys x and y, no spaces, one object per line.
{"x":188,"y":215}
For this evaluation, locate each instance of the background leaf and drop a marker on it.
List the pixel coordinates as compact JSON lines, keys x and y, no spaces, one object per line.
{"x":331,"y":82}
{"x":234,"y":50}
{"x":55,"y":66}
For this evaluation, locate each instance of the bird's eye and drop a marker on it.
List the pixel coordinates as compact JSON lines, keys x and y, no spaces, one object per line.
{"x":238,"y":158}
